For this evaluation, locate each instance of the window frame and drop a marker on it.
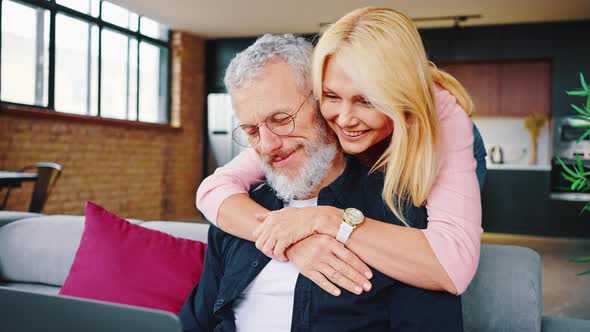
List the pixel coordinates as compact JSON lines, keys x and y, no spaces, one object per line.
{"x":54,"y":8}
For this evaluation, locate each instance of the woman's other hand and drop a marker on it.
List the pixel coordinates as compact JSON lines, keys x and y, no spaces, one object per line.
{"x":326,"y":262}
{"x":282,"y":228}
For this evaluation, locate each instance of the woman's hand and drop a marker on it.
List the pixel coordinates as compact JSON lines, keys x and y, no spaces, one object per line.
{"x":282,"y":228}
{"x":326,"y":262}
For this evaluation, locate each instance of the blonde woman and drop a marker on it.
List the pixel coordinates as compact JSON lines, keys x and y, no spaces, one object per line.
{"x":391,"y":106}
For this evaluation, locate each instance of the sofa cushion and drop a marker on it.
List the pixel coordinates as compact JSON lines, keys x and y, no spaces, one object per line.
{"x":505,"y":294}
{"x":39,"y":250}
{"x":121,"y":262}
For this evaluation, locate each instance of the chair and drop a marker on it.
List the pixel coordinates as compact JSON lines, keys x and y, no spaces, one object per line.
{"x":47,"y":176}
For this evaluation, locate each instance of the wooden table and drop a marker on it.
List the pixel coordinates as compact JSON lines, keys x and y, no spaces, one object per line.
{"x":14,"y":179}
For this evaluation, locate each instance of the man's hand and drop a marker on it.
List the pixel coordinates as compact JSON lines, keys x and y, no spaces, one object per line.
{"x":326,"y":262}
{"x":280,"y":229}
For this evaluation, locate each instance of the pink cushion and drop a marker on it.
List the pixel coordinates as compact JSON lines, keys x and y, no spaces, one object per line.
{"x":121,"y":262}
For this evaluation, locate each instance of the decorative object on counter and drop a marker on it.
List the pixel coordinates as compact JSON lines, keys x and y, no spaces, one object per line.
{"x":533,"y":124}
{"x":496,"y":155}
{"x":578,"y":174}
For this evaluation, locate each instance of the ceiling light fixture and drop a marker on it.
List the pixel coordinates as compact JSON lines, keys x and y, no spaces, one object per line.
{"x":457,"y":19}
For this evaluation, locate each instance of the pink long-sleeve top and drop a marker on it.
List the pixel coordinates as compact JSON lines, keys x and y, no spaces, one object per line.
{"x":453,"y":205}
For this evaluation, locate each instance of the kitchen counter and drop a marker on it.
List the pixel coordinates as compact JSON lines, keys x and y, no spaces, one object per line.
{"x":518,"y":167}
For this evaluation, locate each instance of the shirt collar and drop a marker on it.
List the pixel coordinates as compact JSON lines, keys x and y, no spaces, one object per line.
{"x":352,"y":182}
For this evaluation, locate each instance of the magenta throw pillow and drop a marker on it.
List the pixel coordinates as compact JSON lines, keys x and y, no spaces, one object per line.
{"x":121,"y":262}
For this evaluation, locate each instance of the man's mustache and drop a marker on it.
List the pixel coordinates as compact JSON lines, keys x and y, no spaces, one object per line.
{"x":280,"y":154}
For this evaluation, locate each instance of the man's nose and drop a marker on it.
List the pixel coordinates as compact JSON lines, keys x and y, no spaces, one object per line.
{"x":347,"y":116}
{"x":269,"y":141}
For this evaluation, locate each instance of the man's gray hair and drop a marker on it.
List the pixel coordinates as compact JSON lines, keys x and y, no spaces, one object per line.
{"x":294,"y":50}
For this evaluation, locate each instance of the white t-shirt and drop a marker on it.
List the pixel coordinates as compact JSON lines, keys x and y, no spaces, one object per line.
{"x":267,"y":303}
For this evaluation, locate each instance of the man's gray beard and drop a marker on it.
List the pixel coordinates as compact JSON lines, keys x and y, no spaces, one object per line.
{"x":320,"y":155}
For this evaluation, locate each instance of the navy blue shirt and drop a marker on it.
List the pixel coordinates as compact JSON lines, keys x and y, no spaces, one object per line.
{"x":231,"y":264}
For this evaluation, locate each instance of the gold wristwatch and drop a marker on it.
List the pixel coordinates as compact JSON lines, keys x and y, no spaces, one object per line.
{"x":351,"y":219}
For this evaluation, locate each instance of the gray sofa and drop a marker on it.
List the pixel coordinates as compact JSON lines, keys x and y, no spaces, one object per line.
{"x":36,"y":253}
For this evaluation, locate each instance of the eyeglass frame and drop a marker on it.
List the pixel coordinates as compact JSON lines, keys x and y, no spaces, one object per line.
{"x":263,"y":123}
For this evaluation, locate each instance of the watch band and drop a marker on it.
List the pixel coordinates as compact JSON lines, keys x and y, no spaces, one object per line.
{"x":344,"y":232}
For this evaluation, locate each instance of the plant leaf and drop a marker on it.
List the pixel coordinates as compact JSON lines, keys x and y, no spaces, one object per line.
{"x":580,"y":125}
{"x":586,"y":208}
{"x":583,"y":81}
{"x":583,"y":273}
{"x":575,"y":184}
{"x":580,"y":93}
{"x":563,"y":188}
{"x":567,"y":169}
{"x":582,"y":118}
{"x":585,"y":259}
{"x":581,"y":110}
{"x":578,"y":159}
{"x":567,"y":177}
{"x":581,"y":138}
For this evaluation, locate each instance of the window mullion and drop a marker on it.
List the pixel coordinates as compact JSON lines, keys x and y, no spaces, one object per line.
{"x":99,"y":61}
{"x":1,"y":5}
{"x":127,"y":79}
{"x":169,"y":83}
{"x":138,"y":71}
{"x":89,"y":70}
{"x":51,"y":78}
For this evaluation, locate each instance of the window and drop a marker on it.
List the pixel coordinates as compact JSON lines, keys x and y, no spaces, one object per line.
{"x":87,"y":57}
{"x":25,"y":54}
{"x":76,"y":66}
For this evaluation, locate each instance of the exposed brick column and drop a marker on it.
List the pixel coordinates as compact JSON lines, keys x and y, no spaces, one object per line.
{"x":184,"y":163}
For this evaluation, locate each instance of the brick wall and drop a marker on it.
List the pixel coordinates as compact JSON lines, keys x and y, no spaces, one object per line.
{"x":145,"y":172}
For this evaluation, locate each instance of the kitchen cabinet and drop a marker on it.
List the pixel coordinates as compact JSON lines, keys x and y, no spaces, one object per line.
{"x":525,"y":88}
{"x":482,"y":81}
{"x":518,"y":202}
{"x":506,"y":88}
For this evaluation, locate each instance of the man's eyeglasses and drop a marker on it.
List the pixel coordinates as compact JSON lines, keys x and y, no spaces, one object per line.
{"x":280,"y":123}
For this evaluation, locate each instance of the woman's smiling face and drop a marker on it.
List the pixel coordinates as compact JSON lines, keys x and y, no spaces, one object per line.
{"x":348,"y":112}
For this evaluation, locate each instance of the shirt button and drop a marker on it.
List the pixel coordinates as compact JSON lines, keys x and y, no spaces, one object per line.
{"x":254,"y":264}
{"x":219,"y":302}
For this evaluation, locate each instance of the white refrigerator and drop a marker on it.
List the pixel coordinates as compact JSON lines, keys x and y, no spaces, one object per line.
{"x":221,"y":122}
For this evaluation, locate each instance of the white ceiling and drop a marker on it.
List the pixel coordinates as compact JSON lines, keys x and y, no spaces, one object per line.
{"x":235,"y":18}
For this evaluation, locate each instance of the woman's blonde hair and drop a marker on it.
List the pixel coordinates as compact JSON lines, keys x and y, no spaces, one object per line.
{"x":398,"y":79}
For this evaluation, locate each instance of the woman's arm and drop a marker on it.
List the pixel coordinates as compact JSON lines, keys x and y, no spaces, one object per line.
{"x":223,"y":196}
{"x":454,"y":203}
{"x":400,"y":252}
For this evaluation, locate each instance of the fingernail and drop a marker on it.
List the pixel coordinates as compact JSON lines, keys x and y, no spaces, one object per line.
{"x":369,"y":275}
{"x":336,"y":292}
{"x":358,"y":290}
{"x":367,"y":286}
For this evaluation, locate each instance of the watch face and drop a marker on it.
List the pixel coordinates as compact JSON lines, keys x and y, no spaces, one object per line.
{"x":353,"y":216}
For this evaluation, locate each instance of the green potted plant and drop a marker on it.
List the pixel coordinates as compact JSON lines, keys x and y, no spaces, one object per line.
{"x":579,"y":174}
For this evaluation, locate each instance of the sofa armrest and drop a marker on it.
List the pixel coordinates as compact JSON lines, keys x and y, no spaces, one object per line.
{"x":505,"y":294}
{"x":7,"y":217}
{"x":563,"y":324}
